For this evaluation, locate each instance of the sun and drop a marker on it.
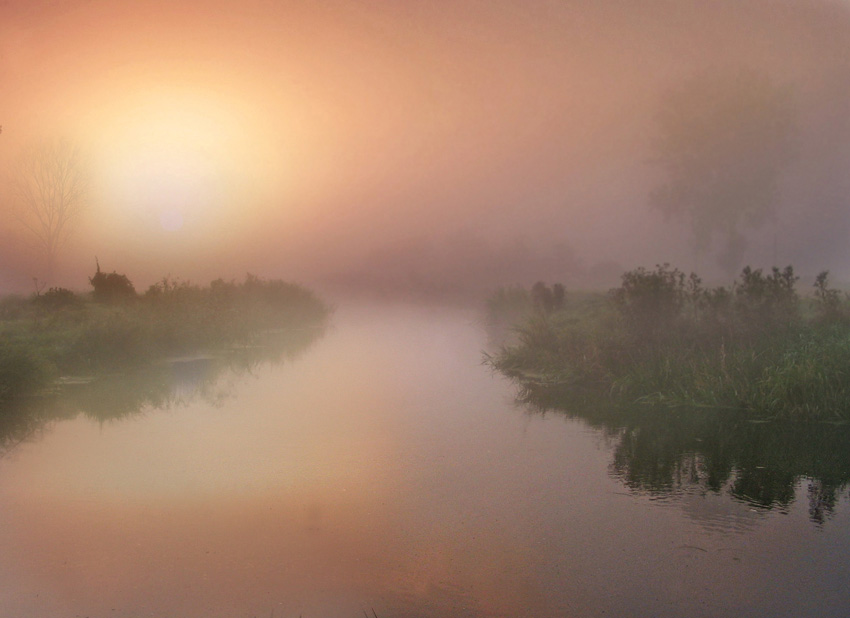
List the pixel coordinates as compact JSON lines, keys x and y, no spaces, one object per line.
{"x":173,"y":159}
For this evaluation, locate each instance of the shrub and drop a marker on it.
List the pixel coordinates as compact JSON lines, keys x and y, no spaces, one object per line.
{"x":828,"y":303}
{"x":665,"y":339}
{"x":57,"y":298}
{"x":172,"y":290}
{"x":21,"y":372}
{"x":111,"y":287}
{"x":115,"y":341}
{"x":767,"y":303}
{"x":650,"y":302}
{"x":546,"y":299}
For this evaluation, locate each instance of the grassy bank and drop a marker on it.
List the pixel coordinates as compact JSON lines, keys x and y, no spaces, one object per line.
{"x":664,"y":338}
{"x":62,"y":333}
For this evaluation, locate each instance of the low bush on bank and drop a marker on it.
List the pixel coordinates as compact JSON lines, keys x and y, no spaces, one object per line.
{"x":60,"y":332}
{"x":662,"y":337}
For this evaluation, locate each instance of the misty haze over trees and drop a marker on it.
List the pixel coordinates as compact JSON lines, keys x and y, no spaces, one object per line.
{"x":544,"y":136}
{"x":723,"y":142}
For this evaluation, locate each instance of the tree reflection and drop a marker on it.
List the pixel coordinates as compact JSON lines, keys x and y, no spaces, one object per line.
{"x":663,"y":451}
{"x":167,"y":385}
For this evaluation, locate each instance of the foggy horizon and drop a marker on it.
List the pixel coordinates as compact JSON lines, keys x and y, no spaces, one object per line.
{"x":434,"y":145}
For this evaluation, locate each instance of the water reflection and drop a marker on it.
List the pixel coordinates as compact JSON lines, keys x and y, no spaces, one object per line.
{"x":348,"y":481}
{"x":172,"y":383}
{"x":386,"y":469}
{"x":667,"y":452}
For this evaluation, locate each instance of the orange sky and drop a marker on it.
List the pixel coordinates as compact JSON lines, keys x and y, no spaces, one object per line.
{"x":306,"y":139}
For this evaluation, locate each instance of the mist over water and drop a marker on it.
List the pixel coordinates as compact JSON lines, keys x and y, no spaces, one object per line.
{"x":385,"y":467}
{"x":159,"y":455}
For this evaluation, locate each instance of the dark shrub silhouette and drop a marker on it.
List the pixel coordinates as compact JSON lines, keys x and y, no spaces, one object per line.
{"x":546,"y":299}
{"x":111,"y":287}
{"x":57,"y":298}
{"x":651,"y":301}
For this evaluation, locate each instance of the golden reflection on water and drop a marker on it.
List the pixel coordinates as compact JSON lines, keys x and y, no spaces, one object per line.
{"x":297,"y":494}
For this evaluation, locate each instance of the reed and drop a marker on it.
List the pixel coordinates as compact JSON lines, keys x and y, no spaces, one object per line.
{"x":62,"y":333}
{"x":662,"y":338}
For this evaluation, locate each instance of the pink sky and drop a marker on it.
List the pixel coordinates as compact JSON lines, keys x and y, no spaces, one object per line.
{"x":305,"y":139}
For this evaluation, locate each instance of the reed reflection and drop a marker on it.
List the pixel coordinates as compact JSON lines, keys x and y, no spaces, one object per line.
{"x":663,"y":452}
{"x":170,"y":384}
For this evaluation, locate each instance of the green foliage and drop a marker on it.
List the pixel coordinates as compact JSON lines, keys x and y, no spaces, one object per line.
{"x":58,"y":298}
{"x":116,"y":341}
{"x":828,"y":302}
{"x":186,"y":315}
{"x":509,"y":306}
{"x":767,"y":303}
{"x":650,"y":302}
{"x":13,"y":307}
{"x":809,"y":379}
{"x":42,"y":337}
{"x":22,"y":371}
{"x":661,"y":337}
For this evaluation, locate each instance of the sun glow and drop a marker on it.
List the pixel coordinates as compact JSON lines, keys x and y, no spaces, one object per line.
{"x":177,"y":160}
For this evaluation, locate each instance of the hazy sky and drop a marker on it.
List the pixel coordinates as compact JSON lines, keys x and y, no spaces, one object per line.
{"x":441,"y":139}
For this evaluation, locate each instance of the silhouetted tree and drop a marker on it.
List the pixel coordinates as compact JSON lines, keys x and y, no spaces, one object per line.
{"x":723,"y":140}
{"x":48,"y":189}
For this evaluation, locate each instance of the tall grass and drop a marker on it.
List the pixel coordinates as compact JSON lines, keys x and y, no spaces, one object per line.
{"x":663,"y":338}
{"x":62,"y":333}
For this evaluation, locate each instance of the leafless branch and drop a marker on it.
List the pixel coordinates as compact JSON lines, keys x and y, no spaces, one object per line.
{"x":48,"y":188}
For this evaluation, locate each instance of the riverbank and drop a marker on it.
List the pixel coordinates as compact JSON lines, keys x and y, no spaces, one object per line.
{"x":662,"y":338}
{"x":60,"y":333}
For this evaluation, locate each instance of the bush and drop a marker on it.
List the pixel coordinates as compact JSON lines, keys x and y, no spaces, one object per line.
{"x":22,"y":372}
{"x":57,"y":298}
{"x":767,"y":303}
{"x":111,"y":287}
{"x":118,"y":340}
{"x":548,"y":300}
{"x":829,"y":305}
{"x":673,"y":342}
{"x":651,"y":301}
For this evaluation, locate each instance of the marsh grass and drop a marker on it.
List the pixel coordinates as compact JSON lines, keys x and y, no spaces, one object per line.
{"x":61,"y":333}
{"x":662,"y":338}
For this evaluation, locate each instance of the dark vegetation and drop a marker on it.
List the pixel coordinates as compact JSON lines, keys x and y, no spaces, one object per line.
{"x":662,"y":337}
{"x":116,"y":395}
{"x":662,"y":451}
{"x":698,"y":389}
{"x":114,"y":329}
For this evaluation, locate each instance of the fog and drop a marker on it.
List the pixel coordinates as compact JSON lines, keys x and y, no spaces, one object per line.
{"x":431,"y":146}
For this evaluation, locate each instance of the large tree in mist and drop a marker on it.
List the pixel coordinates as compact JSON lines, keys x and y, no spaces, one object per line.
{"x":48,"y":190}
{"x":723,"y":140}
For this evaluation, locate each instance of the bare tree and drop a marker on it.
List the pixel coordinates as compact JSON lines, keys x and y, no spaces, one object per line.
{"x":723,"y":142}
{"x":48,"y":187}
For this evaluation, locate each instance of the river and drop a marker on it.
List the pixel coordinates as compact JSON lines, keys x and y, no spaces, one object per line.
{"x":386,"y":471}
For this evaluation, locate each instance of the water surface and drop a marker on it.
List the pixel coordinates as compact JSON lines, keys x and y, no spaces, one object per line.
{"x":386,"y":469}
